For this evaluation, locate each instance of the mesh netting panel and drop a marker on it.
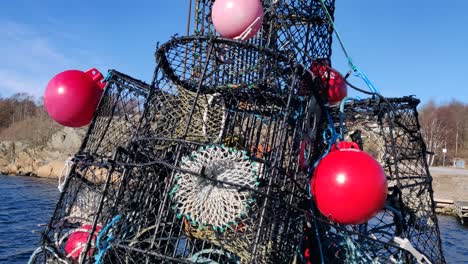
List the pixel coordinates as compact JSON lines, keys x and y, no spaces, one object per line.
{"x":85,"y":204}
{"x":202,"y":25}
{"x":302,"y":29}
{"x":117,"y":116}
{"x":389,"y":130}
{"x":170,"y":111}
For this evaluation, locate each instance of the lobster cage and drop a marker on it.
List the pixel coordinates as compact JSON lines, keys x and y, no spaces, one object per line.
{"x":86,"y":203}
{"x":89,"y":192}
{"x":299,"y":28}
{"x":223,"y":142}
{"x":406,"y":230}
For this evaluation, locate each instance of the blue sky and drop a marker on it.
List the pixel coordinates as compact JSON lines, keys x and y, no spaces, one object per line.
{"x":405,"y":47}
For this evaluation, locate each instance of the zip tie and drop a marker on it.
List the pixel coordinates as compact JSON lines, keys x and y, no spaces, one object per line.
{"x":405,"y":244}
{"x":65,"y":173}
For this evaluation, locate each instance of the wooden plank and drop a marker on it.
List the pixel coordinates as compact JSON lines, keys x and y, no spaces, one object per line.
{"x":443,"y":201}
{"x":462,"y":205}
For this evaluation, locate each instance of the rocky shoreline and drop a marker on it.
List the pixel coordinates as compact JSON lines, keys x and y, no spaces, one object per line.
{"x":46,"y":161}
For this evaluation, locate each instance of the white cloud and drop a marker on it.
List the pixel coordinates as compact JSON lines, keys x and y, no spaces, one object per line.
{"x":11,"y":82}
{"x":29,"y":58}
{"x":19,"y":39}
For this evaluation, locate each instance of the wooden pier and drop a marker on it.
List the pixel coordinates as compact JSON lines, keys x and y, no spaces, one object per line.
{"x":456,"y":208}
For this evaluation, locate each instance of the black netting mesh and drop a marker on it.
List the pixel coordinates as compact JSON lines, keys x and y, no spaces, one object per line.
{"x":296,"y":27}
{"x":211,"y":163}
{"x":231,"y":146}
{"x":117,"y":116}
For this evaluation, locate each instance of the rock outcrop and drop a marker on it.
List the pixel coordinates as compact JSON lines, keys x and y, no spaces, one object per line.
{"x":20,"y":158}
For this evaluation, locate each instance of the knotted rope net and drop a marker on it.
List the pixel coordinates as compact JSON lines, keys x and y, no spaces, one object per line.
{"x":216,"y":203}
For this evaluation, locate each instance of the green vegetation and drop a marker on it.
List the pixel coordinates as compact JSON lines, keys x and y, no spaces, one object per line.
{"x":23,"y":118}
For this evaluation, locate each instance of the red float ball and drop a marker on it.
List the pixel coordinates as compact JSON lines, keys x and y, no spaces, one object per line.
{"x":77,"y":241}
{"x":349,"y":186}
{"x":331,"y":80}
{"x":71,"y":97}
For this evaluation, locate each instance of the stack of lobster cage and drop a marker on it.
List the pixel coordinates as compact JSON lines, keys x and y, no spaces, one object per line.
{"x":207,"y":163}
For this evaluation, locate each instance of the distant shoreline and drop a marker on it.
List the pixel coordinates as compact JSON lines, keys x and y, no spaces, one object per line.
{"x":45,"y":160}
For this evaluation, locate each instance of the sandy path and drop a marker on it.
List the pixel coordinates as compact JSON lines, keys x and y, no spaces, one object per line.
{"x":450,"y":183}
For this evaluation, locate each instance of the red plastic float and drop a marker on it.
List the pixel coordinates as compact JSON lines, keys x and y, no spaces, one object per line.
{"x":71,"y":97}
{"x":331,"y":78}
{"x":349,"y":186}
{"x":77,"y":241}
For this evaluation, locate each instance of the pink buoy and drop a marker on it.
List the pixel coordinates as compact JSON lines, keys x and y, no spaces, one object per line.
{"x":231,"y":18}
{"x":71,"y":97}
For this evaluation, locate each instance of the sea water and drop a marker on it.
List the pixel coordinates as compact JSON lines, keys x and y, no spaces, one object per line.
{"x":27,"y":202}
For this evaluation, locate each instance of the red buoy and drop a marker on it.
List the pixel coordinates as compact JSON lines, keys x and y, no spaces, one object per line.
{"x":349,"y":186}
{"x":71,"y":97}
{"x":77,"y":241}
{"x":331,"y":79}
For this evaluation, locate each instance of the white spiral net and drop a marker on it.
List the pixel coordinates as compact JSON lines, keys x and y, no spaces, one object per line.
{"x":207,"y":202}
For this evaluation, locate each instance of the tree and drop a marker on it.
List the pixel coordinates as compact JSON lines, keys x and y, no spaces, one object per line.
{"x":433,"y":130}
{"x":445,"y":125}
{"x":22,"y":117}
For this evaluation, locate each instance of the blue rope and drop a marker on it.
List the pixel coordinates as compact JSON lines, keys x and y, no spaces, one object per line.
{"x":108,"y":76}
{"x":102,"y":250}
{"x":364,"y":77}
{"x":342,"y":108}
{"x":32,"y":259}
{"x":299,"y":249}
{"x":317,"y":234}
{"x":353,"y":67}
{"x":331,"y":140}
